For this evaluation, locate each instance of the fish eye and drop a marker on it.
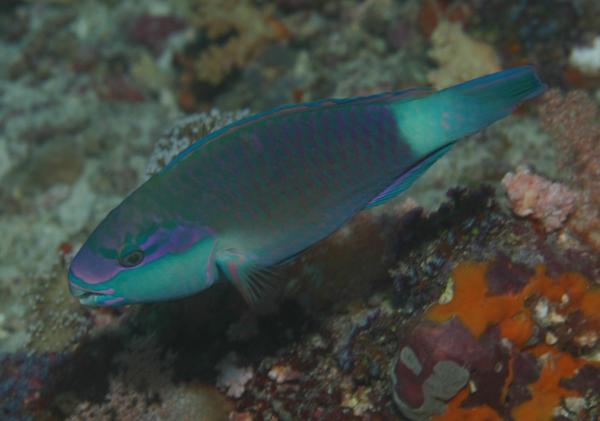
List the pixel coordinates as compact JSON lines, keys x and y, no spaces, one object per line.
{"x":132,"y":258}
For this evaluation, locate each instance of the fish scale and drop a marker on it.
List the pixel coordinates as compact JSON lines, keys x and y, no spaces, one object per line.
{"x":259,"y":191}
{"x":293,"y":177}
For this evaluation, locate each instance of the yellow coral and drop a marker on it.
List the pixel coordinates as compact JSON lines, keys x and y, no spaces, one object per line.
{"x":460,"y":57}
{"x":252,"y":28}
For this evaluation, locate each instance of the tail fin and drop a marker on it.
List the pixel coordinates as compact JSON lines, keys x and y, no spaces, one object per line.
{"x":430,"y":122}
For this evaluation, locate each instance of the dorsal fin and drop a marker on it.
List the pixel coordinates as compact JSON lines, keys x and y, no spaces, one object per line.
{"x":406,"y":179}
{"x":409,"y":93}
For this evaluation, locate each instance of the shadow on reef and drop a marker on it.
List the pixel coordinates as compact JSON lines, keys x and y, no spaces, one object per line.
{"x":460,"y":226}
{"x":195,"y":330}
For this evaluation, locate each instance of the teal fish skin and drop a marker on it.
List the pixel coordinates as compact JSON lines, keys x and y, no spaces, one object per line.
{"x":263,"y":189}
{"x":275,"y":172}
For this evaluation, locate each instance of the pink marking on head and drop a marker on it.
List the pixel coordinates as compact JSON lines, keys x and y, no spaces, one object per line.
{"x":91,"y":268}
{"x":108,"y":291}
{"x":114,"y":301}
{"x":209,"y":267}
{"x":234,"y":271}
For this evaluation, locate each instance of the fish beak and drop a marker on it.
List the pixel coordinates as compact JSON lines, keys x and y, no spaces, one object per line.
{"x":90,"y":297}
{"x":95,"y":299}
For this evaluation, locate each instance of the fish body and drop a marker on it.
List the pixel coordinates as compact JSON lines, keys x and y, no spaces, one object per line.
{"x":261,"y":190}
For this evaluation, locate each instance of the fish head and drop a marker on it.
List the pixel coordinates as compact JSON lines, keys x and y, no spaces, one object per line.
{"x":127,"y":260}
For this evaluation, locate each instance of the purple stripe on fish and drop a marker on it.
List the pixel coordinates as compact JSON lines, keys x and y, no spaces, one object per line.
{"x":176,"y":240}
{"x":113,"y":301}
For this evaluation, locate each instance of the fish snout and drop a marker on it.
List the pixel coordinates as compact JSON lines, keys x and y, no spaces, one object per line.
{"x":90,"y":297}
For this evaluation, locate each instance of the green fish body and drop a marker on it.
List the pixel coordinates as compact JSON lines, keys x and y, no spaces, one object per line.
{"x":261,"y":190}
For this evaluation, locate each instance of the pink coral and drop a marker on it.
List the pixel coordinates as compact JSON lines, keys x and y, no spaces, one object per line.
{"x":547,"y":201}
{"x":572,"y":120}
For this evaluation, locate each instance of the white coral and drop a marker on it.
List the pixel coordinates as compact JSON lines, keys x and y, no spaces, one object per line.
{"x":587,"y":59}
{"x":232,"y":378}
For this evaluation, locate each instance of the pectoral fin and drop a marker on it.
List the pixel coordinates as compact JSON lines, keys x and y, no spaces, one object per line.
{"x":254,"y":281}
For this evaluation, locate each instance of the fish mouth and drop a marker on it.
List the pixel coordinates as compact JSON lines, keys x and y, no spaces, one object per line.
{"x":101,"y":298}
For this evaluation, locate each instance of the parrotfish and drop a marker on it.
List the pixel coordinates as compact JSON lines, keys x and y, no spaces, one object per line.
{"x":253,"y":194}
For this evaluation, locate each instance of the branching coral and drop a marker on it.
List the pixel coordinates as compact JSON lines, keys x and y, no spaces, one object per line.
{"x":237,"y":30}
{"x":460,"y":57}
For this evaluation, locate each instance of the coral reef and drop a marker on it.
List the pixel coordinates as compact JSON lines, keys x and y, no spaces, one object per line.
{"x":230,"y":34}
{"x":337,"y":368}
{"x":254,"y":26}
{"x":153,"y":31}
{"x":375,"y":322}
{"x":55,"y":323}
{"x":572,"y":120}
{"x":479,"y":337}
{"x":524,"y":32}
{"x":141,"y":390}
{"x":23,"y":377}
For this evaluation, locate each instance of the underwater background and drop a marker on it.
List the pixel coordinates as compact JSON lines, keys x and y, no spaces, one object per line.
{"x":474,"y":295}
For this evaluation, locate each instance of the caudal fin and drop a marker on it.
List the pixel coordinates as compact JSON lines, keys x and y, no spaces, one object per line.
{"x":433,"y":121}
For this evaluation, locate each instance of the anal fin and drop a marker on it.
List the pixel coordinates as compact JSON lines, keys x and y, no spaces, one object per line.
{"x":409,"y":177}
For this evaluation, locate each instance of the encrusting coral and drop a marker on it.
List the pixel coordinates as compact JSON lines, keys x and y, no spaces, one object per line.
{"x":508,"y":326}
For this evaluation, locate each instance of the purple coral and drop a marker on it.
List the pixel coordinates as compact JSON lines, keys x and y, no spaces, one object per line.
{"x":436,"y":361}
